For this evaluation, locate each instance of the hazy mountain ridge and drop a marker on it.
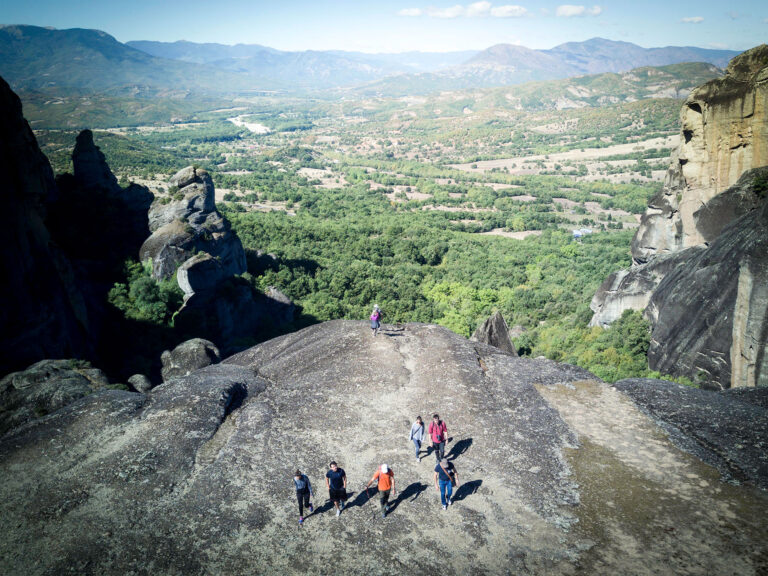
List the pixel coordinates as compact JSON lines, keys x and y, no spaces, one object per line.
{"x":33,"y":58}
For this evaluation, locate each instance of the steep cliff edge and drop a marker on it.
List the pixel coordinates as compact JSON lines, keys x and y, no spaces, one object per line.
{"x":724,"y":133}
{"x":699,"y":254}
{"x":43,"y":313}
{"x":559,"y":472}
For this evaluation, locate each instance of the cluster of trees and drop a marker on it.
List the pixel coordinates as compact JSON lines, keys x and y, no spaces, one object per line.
{"x":143,"y":298}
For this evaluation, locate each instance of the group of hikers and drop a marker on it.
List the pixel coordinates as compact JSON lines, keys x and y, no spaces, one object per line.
{"x":445,"y":474}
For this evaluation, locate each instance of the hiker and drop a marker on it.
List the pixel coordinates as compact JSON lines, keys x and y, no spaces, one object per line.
{"x":376,"y":316}
{"x":437,"y":436}
{"x":446,"y":477}
{"x":386,"y":479}
{"x":417,"y":436}
{"x":303,"y":493}
{"x":336,"y":481}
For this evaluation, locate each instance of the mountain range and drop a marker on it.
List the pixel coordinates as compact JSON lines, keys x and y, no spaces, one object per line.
{"x":35,"y":58}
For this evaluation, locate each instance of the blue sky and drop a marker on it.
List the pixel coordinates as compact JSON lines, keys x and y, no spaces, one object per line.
{"x":402,"y":25}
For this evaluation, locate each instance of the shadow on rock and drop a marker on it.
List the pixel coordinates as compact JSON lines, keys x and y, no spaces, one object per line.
{"x":411,"y":491}
{"x":466,"y":489}
{"x":459,"y":448}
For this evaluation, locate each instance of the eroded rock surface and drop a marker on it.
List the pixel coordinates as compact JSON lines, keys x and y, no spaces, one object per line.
{"x":724,"y":133}
{"x":726,"y":430}
{"x":698,"y":256}
{"x":560,"y":473}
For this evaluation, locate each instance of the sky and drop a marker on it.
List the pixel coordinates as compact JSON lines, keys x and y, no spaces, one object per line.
{"x":405,"y":25}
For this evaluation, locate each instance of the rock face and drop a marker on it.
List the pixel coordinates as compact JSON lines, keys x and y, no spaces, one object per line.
{"x":188,"y":357}
{"x":48,"y":317}
{"x":494,"y":331}
{"x":724,"y":133}
{"x":188,"y":224}
{"x":709,"y":316}
{"x":632,"y":289}
{"x":706,"y":313}
{"x":43,"y":388}
{"x":229,"y":311}
{"x":559,"y":473}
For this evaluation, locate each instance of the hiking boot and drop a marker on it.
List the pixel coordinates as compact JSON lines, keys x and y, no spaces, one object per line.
{"x":301,"y":520}
{"x":311,"y":508}
{"x":445,"y":507}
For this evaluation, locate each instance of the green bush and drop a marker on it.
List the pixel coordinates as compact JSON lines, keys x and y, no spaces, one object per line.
{"x":143,"y":298}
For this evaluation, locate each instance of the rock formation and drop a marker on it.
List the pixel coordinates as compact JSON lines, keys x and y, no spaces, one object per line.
{"x":188,"y":357}
{"x":190,"y":238}
{"x":714,"y":188}
{"x":189,"y":223}
{"x":724,"y":133}
{"x":43,"y":313}
{"x":559,"y":472}
{"x":494,"y":331}
{"x":710,"y":315}
{"x":44,"y":388}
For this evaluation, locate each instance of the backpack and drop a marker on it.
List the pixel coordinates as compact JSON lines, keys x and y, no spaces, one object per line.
{"x":375,"y":316}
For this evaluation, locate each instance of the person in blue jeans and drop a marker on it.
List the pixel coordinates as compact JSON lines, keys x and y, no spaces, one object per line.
{"x":446,"y":477}
{"x":417,"y":435}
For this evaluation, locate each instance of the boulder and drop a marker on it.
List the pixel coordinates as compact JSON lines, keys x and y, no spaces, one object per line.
{"x":189,"y":357}
{"x":140,"y":383}
{"x":494,"y":331}
{"x":560,"y":473}
{"x":43,"y":388}
{"x":201,"y":273}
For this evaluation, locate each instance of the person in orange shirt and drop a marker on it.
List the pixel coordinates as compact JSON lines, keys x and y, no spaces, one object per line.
{"x":386,"y":479}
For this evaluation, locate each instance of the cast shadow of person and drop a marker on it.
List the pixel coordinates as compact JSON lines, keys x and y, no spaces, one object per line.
{"x":362,"y":498}
{"x":411,"y":491}
{"x":328,"y":505}
{"x":466,"y":489}
{"x":459,"y":448}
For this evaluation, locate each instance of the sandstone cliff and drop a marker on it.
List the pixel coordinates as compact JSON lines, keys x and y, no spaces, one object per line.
{"x":724,"y":133}
{"x":559,"y":473}
{"x":714,"y":185}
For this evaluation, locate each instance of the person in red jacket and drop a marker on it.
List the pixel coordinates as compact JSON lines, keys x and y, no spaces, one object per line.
{"x":438,"y":432}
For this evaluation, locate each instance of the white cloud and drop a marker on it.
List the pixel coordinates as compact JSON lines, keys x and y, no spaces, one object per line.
{"x":452,"y":12}
{"x":508,"y":11}
{"x":692,"y":20}
{"x":571,"y":10}
{"x":478,"y":9}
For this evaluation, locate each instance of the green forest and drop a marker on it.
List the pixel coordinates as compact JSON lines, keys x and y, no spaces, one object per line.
{"x":341,"y":206}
